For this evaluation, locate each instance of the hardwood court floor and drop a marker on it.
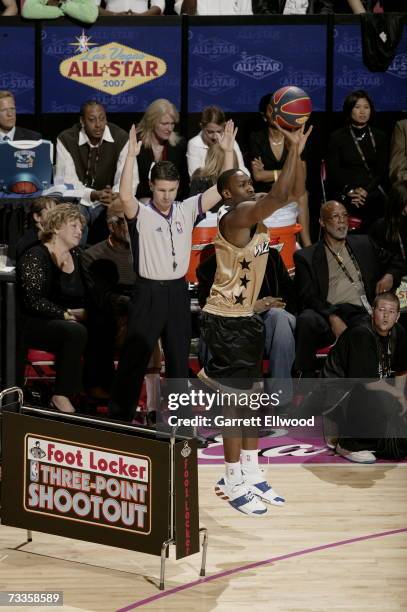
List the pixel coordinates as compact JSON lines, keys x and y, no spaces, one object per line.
{"x":340,"y":543}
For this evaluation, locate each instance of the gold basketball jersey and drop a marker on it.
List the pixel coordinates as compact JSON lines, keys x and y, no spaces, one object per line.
{"x":239,"y":273}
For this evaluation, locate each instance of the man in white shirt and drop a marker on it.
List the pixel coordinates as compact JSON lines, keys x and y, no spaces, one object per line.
{"x":132,"y":7}
{"x":213,"y":7}
{"x":91,"y":156}
{"x":212,"y":125}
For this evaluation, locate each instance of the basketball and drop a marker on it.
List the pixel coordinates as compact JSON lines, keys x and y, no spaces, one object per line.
{"x":291,"y":107}
{"x":23,"y":187}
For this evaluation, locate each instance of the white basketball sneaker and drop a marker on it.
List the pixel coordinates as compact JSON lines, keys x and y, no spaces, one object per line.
{"x":259,"y":486}
{"x":240,"y":497}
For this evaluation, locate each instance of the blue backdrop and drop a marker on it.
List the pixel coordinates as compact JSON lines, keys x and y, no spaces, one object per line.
{"x":17,"y":65}
{"x":387,"y":89}
{"x":234,"y":66}
{"x":61,"y":94}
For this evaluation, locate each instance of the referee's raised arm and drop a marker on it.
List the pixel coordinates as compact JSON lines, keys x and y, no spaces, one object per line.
{"x":127,"y":197}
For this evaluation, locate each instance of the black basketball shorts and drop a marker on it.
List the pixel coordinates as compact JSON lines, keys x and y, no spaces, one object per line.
{"x":236,"y":346}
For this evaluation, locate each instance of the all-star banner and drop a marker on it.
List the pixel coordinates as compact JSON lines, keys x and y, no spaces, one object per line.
{"x":238,"y":64}
{"x":17,"y":64}
{"x":125,"y":68}
{"x":95,"y":485}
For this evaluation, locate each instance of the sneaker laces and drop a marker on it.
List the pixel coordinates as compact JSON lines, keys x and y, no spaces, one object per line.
{"x":248,"y":494}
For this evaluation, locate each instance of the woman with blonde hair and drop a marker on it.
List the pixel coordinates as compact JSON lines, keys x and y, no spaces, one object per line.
{"x":52,"y":297}
{"x":160,"y":143}
{"x":205,"y":177}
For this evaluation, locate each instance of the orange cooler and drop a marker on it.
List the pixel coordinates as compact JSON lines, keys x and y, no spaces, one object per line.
{"x":281,"y":238}
{"x":202,"y":238}
{"x":284,"y":239}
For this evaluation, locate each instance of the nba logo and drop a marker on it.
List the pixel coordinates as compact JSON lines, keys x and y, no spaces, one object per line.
{"x":34,"y":471}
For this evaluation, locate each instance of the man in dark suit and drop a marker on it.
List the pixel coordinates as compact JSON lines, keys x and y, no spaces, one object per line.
{"x":398,"y":153}
{"x":8,"y":128}
{"x":337,"y":280}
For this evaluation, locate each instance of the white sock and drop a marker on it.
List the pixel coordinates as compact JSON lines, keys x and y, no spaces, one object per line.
{"x":250,"y":460}
{"x":233,"y":473}
{"x":153,"y":391}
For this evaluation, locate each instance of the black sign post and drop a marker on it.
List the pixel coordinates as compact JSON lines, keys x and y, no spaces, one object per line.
{"x":100,"y":481}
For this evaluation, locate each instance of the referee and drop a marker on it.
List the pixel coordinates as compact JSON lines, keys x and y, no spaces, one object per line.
{"x":160,"y":237}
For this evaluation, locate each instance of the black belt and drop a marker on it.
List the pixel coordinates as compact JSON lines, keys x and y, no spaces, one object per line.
{"x":161,"y":283}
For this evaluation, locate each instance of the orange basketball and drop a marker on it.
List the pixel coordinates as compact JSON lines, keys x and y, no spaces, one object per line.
{"x":23,"y":187}
{"x":291,"y":107}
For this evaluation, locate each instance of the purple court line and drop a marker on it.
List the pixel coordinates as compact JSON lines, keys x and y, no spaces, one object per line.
{"x":249,"y":566}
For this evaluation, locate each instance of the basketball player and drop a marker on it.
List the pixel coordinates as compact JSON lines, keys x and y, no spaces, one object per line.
{"x":233,"y":333}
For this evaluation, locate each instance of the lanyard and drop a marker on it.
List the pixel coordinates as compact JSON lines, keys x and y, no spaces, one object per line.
{"x":402,"y":249}
{"x":90,"y":177}
{"x":359,"y":148}
{"x":174,"y":263}
{"x":342,"y":265}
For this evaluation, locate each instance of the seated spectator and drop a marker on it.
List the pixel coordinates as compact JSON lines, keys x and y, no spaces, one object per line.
{"x":159,"y":143}
{"x":337,"y":279}
{"x":109,"y":274}
{"x":376,"y":350}
{"x":8,"y":128}
{"x":10,"y":8}
{"x":84,"y":11}
{"x":267,"y":153}
{"x":212,"y":126}
{"x":205,"y":177}
{"x":376,"y":6}
{"x":276,"y":305}
{"x":357,"y":161}
{"x":39,"y":209}
{"x":90,"y":156}
{"x":52,"y":298}
{"x":213,"y":7}
{"x":132,"y":7}
{"x":309,"y":7}
{"x":390,"y":232}
{"x":292,"y":7}
{"x":398,"y":152}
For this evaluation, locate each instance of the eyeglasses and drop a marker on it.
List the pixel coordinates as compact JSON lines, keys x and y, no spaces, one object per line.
{"x":338,"y":217}
{"x":8,"y":110}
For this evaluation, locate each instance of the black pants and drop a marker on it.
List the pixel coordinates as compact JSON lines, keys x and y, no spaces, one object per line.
{"x":369,"y":420}
{"x":67,"y":340}
{"x":159,"y":309}
{"x":313,"y":332}
{"x":100,"y":350}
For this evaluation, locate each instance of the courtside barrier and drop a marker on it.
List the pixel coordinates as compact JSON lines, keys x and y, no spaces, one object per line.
{"x":99,"y":481}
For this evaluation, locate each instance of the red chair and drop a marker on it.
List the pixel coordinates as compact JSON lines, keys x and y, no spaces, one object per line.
{"x":39,"y":365}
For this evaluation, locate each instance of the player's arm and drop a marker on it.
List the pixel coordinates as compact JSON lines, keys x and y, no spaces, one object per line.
{"x":211,"y":196}
{"x":129,"y":201}
{"x":247,"y":215}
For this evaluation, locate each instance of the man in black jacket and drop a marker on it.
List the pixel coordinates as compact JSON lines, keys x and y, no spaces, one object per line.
{"x":8,"y":128}
{"x":371,"y":418}
{"x":277,"y":306}
{"x":337,"y":279}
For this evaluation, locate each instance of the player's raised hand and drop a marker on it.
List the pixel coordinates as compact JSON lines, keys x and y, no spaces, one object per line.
{"x":295,"y":137}
{"x":227,"y":140}
{"x":134,"y":144}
